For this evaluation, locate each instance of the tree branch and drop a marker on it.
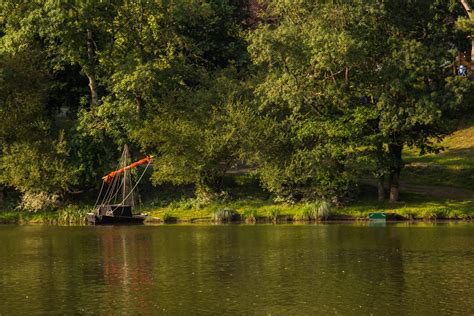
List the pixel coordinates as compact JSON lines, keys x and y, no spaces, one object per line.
{"x":467,"y":7}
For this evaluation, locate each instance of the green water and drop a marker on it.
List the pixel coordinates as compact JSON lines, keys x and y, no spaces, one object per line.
{"x":232,"y":269}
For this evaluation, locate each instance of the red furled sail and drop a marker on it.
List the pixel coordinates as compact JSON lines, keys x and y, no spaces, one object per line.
{"x":108,"y":178}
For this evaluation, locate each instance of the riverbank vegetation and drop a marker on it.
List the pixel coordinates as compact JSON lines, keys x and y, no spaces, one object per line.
{"x":271,"y":109}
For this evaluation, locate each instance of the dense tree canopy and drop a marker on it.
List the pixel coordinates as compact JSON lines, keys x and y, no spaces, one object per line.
{"x":313,"y":95}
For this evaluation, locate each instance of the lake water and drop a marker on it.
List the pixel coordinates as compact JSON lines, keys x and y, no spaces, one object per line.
{"x":238,"y":269}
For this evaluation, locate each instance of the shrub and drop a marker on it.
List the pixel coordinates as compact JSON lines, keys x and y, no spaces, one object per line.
{"x":34,"y":201}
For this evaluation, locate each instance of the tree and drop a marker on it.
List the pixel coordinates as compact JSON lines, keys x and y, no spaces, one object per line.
{"x":468,"y":25}
{"x":32,"y":159}
{"x":305,"y":53}
{"x":355,"y":82}
{"x":417,"y":100}
{"x":173,"y":68}
{"x":71,"y":33}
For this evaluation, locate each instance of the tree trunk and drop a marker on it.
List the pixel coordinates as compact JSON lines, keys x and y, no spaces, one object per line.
{"x":93,"y":89}
{"x":395,"y":151}
{"x":2,"y":196}
{"x":381,"y":189}
{"x":90,"y":69}
{"x":394,"y":186}
{"x":468,"y":10}
{"x":139,"y":101}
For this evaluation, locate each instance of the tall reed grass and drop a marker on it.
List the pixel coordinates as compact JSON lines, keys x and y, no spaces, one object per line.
{"x":224,"y":215}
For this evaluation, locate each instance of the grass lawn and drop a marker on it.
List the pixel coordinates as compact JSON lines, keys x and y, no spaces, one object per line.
{"x":452,"y":167}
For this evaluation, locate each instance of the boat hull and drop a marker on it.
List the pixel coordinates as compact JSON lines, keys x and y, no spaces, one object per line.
{"x":97,"y":219}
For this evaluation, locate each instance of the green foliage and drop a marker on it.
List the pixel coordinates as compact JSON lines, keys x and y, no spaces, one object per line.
{"x":305,"y":213}
{"x":38,"y":166}
{"x":167,"y":217}
{"x":311,"y":98}
{"x":346,"y":85}
{"x":32,"y":201}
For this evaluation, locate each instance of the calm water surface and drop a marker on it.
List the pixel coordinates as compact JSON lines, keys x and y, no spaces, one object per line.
{"x":279,"y":270}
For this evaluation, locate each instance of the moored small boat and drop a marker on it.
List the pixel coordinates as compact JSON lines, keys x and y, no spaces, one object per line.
{"x":119,"y":190}
{"x":115,"y":214}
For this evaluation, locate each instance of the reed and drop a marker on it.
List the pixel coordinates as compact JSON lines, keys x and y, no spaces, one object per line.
{"x":273,"y":213}
{"x":250,"y":215}
{"x":305,"y":213}
{"x":323,"y":210}
{"x":71,"y":214}
{"x":224,"y":215}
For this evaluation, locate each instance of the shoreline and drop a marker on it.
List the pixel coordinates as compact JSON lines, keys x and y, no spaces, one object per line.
{"x":260,"y":221}
{"x":259,"y":212}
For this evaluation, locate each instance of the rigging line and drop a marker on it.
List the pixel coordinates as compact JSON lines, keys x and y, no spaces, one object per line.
{"x":98,"y":197}
{"x":106,"y":194}
{"x":117,"y":191}
{"x":113,"y":193}
{"x":139,"y":179}
{"x":109,"y":194}
{"x":112,"y":190}
{"x":113,"y":186}
{"x":117,"y":182}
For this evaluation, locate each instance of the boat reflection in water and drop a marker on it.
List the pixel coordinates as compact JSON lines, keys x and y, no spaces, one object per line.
{"x":126,"y":269}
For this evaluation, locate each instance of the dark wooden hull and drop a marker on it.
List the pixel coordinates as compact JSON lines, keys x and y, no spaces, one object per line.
{"x":113,"y":219}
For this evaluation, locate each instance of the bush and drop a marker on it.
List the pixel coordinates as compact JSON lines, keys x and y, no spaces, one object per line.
{"x":320,"y":210}
{"x":34,"y":201}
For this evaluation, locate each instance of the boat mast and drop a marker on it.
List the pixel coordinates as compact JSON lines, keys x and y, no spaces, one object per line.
{"x":126,"y":158}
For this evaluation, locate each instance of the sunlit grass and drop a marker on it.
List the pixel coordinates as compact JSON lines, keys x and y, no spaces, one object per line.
{"x":453,"y":166}
{"x":414,"y":207}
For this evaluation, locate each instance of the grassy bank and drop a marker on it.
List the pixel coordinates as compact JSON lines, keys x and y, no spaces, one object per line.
{"x":453,"y":167}
{"x":254,"y":211}
{"x":70,"y":215}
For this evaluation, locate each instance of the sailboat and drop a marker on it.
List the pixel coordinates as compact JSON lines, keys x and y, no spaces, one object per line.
{"x":116,"y":204}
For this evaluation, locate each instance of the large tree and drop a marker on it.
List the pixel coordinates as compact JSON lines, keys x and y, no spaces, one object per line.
{"x":173,"y":69}
{"x":354,"y":82}
{"x":71,"y":33}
